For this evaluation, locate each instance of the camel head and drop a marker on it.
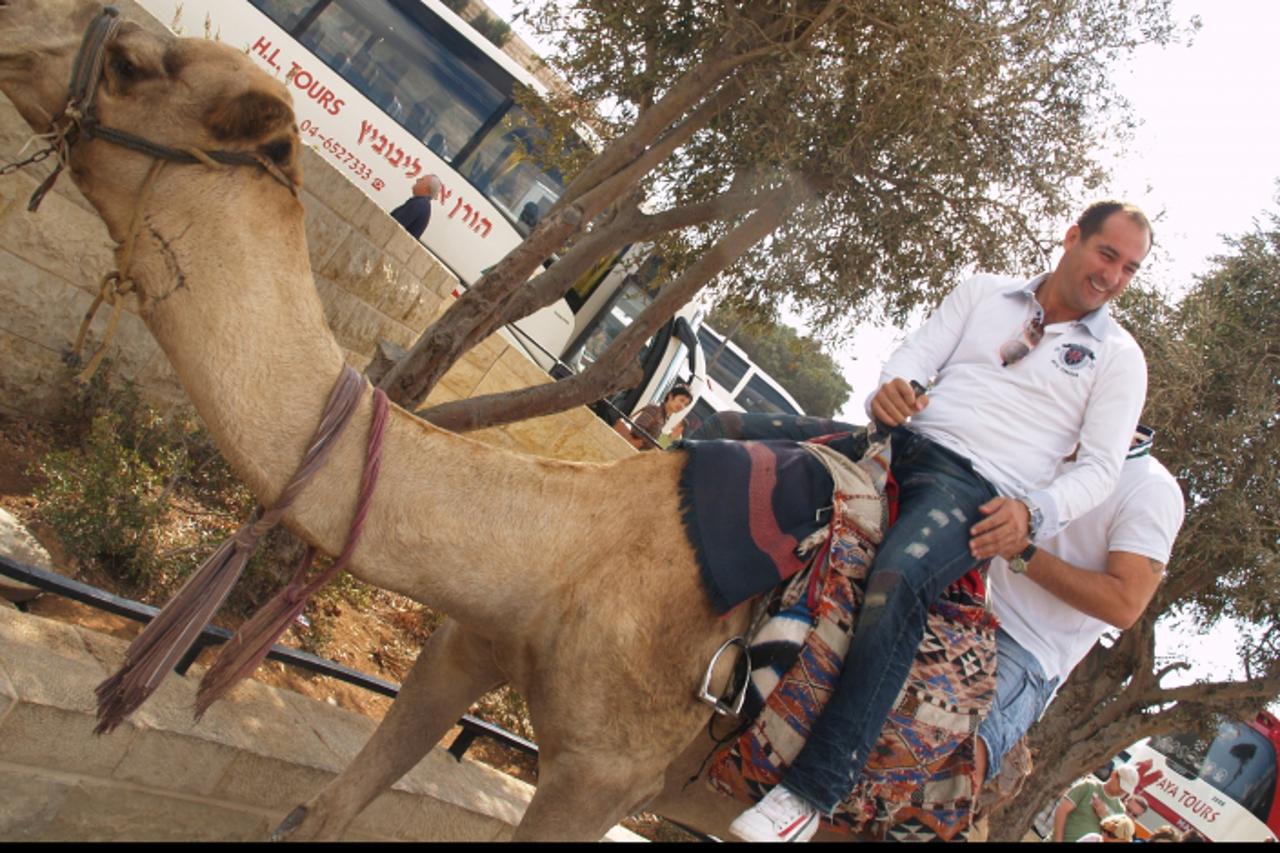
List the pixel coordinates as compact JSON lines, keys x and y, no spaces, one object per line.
{"x":187,"y":92}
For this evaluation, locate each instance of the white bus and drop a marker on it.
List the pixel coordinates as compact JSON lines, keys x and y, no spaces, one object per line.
{"x":735,"y":383}
{"x":390,"y":90}
{"x":1225,"y":788}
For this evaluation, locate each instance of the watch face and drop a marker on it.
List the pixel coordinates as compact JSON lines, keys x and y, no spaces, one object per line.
{"x":1018,"y":566}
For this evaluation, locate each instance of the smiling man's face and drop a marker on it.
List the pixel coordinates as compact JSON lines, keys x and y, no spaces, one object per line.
{"x":1096,"y":269}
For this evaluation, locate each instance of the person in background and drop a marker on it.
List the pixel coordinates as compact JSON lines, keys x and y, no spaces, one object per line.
{"x":647,"y":425}
{"x":1055,"y":601}
{"x":1089,"y":802}
{"x":415,"y":213}
{"x":1114,"y":827}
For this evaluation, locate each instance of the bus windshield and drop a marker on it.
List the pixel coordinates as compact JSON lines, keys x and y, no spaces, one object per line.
{"x":1240,"y":763}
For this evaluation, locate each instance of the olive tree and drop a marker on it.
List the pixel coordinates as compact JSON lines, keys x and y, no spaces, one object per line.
{"x":850,"y":155}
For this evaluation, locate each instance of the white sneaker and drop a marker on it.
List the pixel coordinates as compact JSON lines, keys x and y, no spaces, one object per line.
{"x":780,"y":816}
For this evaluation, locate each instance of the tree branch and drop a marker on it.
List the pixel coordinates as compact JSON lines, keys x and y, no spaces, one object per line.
{"x":607,"y":373}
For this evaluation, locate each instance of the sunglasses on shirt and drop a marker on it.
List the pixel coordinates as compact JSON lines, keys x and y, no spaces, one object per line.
{"x":1019,"y":347}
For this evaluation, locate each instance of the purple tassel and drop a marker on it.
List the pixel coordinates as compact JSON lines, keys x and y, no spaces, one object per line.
{"x":249,"y":647}
{"x":251,"y":644}
{"x":172,"y":633}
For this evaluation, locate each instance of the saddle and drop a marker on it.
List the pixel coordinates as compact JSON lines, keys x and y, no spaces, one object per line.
{"x":919,"y":781}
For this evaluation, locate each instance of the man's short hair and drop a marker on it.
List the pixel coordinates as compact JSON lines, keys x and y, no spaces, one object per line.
{"x":1090,"y":222}
{"x":679,"y":391}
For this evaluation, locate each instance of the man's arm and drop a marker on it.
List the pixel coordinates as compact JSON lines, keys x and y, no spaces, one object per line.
{"x":1118,"y":595}
{"x":1065,"y":808}
{"x":1140,"y":537}
{"x":928,"y":349}
{"x":1142,"y":520}
{"x":1115,"y":403}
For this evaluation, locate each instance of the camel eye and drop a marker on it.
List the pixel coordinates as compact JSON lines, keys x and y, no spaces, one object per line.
{"x":123,"y":68}
{"x":279,"y":152}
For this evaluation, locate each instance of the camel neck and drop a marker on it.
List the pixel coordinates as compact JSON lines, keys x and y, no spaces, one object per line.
{"x":246,"y":334}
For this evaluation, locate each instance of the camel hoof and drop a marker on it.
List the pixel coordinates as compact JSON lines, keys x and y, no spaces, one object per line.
{"x":287,"y":826}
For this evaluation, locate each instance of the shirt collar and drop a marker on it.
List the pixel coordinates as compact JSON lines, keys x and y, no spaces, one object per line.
{"x":1097,"y":322}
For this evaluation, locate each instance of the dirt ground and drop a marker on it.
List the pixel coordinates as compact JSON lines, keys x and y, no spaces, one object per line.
{"x":380,"y":639}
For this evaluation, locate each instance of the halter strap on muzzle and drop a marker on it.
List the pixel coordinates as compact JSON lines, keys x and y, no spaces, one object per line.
{"x":85,"y":75}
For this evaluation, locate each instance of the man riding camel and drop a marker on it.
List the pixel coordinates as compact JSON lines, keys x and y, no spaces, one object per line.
{"x":1023,"y":373}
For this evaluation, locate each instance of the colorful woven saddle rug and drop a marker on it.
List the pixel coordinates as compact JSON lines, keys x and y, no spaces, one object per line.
{"x":918,"y":782}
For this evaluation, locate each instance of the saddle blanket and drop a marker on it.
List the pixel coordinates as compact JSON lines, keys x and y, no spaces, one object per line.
{"x":919,"y":781}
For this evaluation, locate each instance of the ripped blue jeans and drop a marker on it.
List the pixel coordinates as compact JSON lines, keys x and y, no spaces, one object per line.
{"x":924,"y":552}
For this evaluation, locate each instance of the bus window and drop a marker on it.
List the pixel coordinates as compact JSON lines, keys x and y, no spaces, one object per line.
{"x":760,"y":396}
{"x":1239,"y":762}
{"x":286,"y":13}
{"x":631,"y":301}
{"x":408,"y":63}
{"x":504,"y":166}
{"x":723,"y":365}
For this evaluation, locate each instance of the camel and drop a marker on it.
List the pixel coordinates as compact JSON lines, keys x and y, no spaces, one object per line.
{"x":606,"y":636}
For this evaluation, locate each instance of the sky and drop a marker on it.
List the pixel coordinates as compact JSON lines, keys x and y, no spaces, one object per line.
{"x":1203,"y":163}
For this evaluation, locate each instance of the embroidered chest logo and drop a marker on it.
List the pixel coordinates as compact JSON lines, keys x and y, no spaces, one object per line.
{"x":1073,"y":359}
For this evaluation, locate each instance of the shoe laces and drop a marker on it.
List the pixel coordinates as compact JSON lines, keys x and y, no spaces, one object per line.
{"x":782,"y":805}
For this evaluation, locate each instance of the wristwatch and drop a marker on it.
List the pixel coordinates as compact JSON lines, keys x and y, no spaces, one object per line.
{"x":1035,"y":517}
{"x":1018,"y":565}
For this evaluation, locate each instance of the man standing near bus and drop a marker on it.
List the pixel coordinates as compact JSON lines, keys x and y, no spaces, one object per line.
{"x":1090,"y":802}
{"x":415,"y":213}
{"x":1025,"y":372}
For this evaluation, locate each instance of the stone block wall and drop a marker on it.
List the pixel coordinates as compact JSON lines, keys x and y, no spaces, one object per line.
{"x":377,"y":283}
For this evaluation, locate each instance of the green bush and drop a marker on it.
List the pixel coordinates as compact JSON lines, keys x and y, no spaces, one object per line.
{"x":145,"y":497}
{"x":104,"y":498}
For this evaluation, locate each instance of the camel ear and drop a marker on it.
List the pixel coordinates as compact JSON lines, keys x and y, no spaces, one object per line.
{"x":251,"y":115}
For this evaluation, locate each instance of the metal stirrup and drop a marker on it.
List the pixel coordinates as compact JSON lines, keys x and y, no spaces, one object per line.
{"x":704,"y":695}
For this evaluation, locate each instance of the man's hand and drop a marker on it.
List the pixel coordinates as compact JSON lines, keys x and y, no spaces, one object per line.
{"x":896,"y":401}
{"x":1099,"y":807}
{"x":1003,"y":532}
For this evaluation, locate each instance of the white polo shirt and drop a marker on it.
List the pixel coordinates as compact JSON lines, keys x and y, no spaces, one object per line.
{"x":1142,"y":516}
{"x":1084,"y":383}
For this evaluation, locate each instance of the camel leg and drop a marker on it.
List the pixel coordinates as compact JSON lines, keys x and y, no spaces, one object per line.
{"x":453,"y":669}
{"x":581,"y":797}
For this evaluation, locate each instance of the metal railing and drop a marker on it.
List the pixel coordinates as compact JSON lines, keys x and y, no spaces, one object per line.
{"x":471,"y":727}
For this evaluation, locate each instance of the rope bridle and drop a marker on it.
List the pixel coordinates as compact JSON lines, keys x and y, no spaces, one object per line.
{"x":77,"y":122}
